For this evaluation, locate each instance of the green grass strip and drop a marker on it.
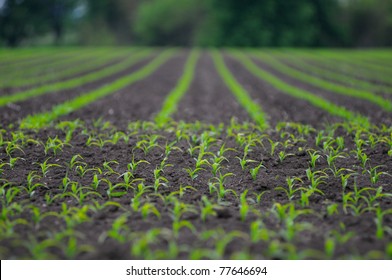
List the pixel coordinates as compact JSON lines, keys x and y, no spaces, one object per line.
{"x":41,"y":120}
{"x":315,"y":100}
{"x":242,"y":96}
{"x":65,"y":72}
{"x":7,"y":66}
{"x":13,"y":57}
{"x":304,"y":65}
{"x":171,"y":101}
{"x":344,"y":67}
{"x":320,"y":83}
{"x":48,"y":63}
{"x":79,"y":81}
{"x":356,"y":59}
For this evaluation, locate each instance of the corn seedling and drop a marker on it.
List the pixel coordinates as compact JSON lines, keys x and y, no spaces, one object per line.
{"x":45,"y":166}
{"x":31,"y":185}
{"x":291,"y":187}
{"x":379,"y":222}
{"x":244,"y":206}
{"x":314,"y":156}
{"x":255,"y":171}
{"x":54,"y":144}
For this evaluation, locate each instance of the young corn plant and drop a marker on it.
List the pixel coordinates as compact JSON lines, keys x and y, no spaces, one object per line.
{"x":219,"y":186}
{"x":119,"y":230}
{"x":356,"y":201}
{"x":109,"y":170}
{"x":136,"y":201}
{"x":55,"y":145}
{"x":169,"y":147}
{"x":287,"y":214}
{"x":31,"y":185}
{"x":11,"y":148}
{"x":96,"y":182}
{"x":114,"y":190}
{"x":375,"y":176}
{"x":373,"y":200}
{"x":316,"y":178}
{"x":244,"y":206}
{"x":9,"y":195}
{"x":132,"y":166}
{"x":259,"y":196}
{"x":332,"y":157}
{"x":255,"y":171}
{"x":273,"y":145}
{"x":141,"y":242}
{"x":75,"y":161}
{"x":69,"y":127}
{"x":147,"y":209}
{"x":37,"y":216}
{"x":12,"y":162}
{"x":179,"y":209}
{"x":216,"y":164}
{"x":314,"y":156}
{"x":193,"y":173}
{"x":292,"y":188}
{"x":128,"y":180}
{"x":99,"y":142}
{"x":45,"y":166}
{"x":381,"y":229}
{"x":207,"y":208}
{"x":177,"y":225}
{"x":258,"y":232}
{"x":72,"y":249}
{"x":244,"y":161}
{"x":147,"y":144}
{"x":283,"y":155}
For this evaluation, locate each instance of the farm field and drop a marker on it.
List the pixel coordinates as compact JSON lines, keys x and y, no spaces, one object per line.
{"x":143,"y":153}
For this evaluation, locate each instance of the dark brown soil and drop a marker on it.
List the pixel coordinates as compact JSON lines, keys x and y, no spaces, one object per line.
{"x":279,"y":107}
{"x":227,"y":218}
{"x":12,"y":90}
{"x":39,"y":59}
{"x":381,"y":92}
{"x":364,"y":107}
{"x":208,"y":91}
{"x":15,"y":112}
{"x":209,"y":101}
{"x":351,"y":74}
{"x":140,"y":101}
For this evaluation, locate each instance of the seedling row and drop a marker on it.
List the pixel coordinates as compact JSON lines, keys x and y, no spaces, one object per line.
{"x":114,"y":159}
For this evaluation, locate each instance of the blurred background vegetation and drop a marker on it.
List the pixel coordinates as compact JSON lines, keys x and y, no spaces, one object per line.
{"x":247,"y":23}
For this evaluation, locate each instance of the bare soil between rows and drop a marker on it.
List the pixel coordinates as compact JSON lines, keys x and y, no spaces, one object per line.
{"x":209,"y":101}
{"x":227,"y":218}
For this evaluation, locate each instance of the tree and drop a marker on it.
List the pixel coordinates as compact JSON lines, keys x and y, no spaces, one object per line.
{"x":21,"y":20}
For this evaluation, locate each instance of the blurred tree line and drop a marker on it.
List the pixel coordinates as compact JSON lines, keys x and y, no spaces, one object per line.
{"x":247,"y":23}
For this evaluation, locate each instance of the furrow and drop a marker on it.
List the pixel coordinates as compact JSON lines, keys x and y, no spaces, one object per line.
{"x":242,"y":96}
{"x":47,"y":89}
{"x":63,"y":74}
{"x":320,"y":83}
{"x":43,"y":119}
{"x":315,"y":100}
{"x":171,"y":101}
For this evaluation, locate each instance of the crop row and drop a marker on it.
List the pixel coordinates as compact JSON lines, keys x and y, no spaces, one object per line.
{"x":75,"y":82}
{"x":202,"y":206}
{"x":65,"y":70}
{"x":335,"y":88}
{"x":298,"y":62}
{"x":42,"y":119}
{"x":255,"y":110}
{"x":346,"y":68}
{"x":313,"y":99}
